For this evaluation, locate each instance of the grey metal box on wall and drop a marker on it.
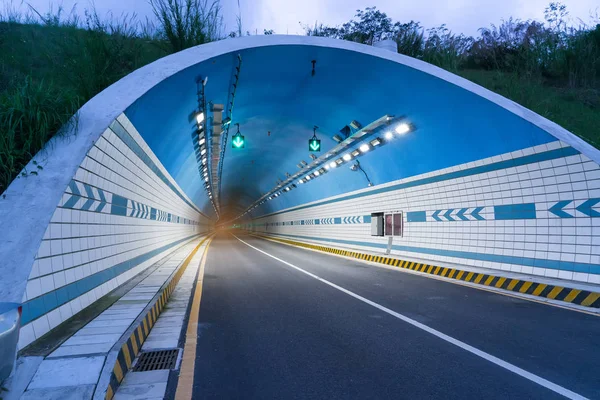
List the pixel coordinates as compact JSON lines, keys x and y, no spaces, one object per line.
{"x":377,"y":224}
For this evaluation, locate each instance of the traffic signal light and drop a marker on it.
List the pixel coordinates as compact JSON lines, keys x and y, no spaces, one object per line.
{"x":238,"y":141}
{"x":314,"y":145}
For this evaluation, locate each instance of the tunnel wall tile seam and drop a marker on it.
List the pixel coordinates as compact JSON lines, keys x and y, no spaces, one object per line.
{"x":570,"y":242}
{"x":553,"y":292}
{"x":73,"y":267}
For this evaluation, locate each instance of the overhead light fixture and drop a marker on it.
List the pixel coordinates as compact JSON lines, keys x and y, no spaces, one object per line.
{"x":307,"y":177}
{"x":364,"y":148}
{"x":299,"y":165}
{"x":375,"y":142}
{"x":204,"y":160}
{"x":355,"y":153}
{"x":203,"y":152}
{"x":202,"y":141}
{"x":327,"y":166}
{"x":337,"y":138}
{"x":347,"y":157}
{"x":199,"y":118}
{"x":332,"y":164}
{"x":206,"y":179}
{"x":313,"y":156}
{"x":226,"y":121}
{"x":339,"y":161}
{"x":355,"y":125}
{"x":301,"y":181}
{"x":304,"y":163}
{"x":389,"y":135}
{"x":322,"y":171}
{"x":402,"y":128}
{"x":317,"y":173}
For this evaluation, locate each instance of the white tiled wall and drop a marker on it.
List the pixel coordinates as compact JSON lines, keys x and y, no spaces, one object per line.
{"x":79,"y":243}
{"x":547,"y":237}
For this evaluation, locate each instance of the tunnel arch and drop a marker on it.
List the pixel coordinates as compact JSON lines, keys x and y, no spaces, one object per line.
{"x":147,"y":102}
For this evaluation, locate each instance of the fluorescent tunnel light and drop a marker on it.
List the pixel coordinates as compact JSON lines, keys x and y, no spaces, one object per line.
{"x":402,"y":128}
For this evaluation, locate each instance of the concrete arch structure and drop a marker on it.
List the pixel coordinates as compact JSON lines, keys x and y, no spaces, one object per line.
{"x":482,"y":181}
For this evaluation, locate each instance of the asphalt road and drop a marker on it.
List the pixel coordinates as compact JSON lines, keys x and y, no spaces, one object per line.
{"x":270,"y":331}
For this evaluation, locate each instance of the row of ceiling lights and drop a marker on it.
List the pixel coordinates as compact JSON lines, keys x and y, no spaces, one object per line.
{"x":203,"y":145}
{"x":401,"y":129}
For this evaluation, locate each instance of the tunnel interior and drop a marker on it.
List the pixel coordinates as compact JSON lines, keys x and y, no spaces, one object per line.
{"x":279,"y":100}
{"x":476,"y":180}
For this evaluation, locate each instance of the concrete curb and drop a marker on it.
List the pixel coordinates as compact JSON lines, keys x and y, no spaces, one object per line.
{"x":123,"y":358}
{"x":559,"y":293}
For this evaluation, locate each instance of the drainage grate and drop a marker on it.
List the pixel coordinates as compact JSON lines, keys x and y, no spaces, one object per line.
{"x":153,"y":360}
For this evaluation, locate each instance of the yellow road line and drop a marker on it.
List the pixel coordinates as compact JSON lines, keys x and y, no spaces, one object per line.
{"x":185,"y":384}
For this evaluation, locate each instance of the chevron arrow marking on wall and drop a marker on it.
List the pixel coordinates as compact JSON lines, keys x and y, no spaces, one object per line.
{"x":447,"y":215}
{"x":475,"y":214}
{"x":91,"y":198}
{"x":461,"y":214}
{"x":102,"y":201}
{"x":75,"y":196}
{"x":557,"y":209}
{"x":436,"y":215}
{"x":586,"y":208}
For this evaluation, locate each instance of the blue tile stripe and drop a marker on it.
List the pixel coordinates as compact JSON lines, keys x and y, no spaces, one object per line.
{"x":35,"y":308}
{"x":120,"y":131}
{"x":416,"y":216}
{"x":515,"y":162}
{"x":119,"y":205}
{"x":526,"y":261}
{"x":359,"y":219}
{"x":515,"y":211}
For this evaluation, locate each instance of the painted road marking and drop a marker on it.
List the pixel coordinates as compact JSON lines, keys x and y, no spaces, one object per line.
{"x":473,"y":350}
{"x":185,"y":385}
{"x":419,"y":269}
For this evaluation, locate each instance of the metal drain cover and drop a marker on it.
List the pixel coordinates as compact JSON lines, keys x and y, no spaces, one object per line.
{"x":153,"y":360}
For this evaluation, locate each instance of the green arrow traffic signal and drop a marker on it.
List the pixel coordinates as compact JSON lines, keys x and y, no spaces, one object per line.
{"x":238,"y":141}
{"x":314,"y":145}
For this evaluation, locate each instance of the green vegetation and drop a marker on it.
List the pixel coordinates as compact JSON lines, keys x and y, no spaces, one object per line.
{"x":51,"y":64}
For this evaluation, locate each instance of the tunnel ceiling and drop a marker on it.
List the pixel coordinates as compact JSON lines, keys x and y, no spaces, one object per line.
{"x":279,"y":100}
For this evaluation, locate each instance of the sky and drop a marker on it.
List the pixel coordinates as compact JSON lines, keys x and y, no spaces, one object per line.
{"x":288,"y":16}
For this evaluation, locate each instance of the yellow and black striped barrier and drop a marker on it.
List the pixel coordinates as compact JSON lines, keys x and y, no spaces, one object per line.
{"x":573,"y":296}
{"x":133,"y":345}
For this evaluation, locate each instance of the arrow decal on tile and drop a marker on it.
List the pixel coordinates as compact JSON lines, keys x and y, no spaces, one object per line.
{"x":586,"y":208}
{"x":557,"y":209}
{"x":75,"y":196}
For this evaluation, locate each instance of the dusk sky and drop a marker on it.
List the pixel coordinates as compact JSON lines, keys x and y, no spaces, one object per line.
{"x":288,"y":16}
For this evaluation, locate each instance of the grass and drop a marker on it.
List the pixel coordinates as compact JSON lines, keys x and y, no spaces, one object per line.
{"x":48,"y":71}
{"x":576,"y":109}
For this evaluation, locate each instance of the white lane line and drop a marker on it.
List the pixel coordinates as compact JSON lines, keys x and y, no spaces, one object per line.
{"x":495,"y":360}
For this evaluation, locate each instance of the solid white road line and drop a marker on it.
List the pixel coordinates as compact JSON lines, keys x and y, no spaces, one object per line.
{"x":495,"y":360}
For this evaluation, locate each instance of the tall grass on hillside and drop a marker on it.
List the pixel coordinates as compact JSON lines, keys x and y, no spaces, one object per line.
{"x":51,"y":66}
{"x":30,"y":114}
{"x":188,"y":23}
